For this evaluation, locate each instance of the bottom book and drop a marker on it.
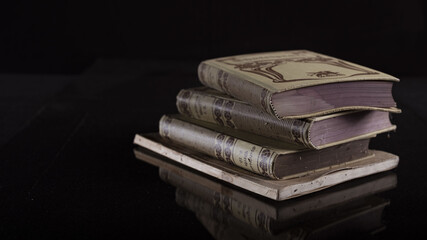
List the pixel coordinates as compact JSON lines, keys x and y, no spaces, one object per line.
{"x":355,"y":207}
{"x":378,"y":161}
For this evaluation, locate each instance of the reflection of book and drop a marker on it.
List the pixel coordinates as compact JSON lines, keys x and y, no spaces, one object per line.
{"x":299,"y":84}
{"x":274,"y":159}
{"x":274,"y":189}
{"x":348,"y":208}
{"x":363,"y":219}
{"x":208,"y":105}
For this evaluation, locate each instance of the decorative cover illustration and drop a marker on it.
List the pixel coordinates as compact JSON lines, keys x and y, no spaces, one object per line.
{"x":282,"y":70}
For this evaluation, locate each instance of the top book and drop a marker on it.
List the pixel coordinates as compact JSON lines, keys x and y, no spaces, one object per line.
{"x":299,"y":83}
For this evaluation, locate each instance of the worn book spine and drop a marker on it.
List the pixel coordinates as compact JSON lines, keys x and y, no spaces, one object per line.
{"x":249,"y":156}
{"x":232,"y":113}
{"x":232,"y":85}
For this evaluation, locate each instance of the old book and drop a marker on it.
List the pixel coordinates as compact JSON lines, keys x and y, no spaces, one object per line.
{"x":353,"y":205}
{"x":212,"y":106}
{"x":299,"y":83}
{"x":164,"y":153}
{"x":262,"y":156}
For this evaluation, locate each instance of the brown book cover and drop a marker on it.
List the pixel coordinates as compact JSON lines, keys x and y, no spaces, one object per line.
{"x":167,"y":153}
{"x":299,"y":83}
{"x":211,"y":106}
{"x":259,"y":155}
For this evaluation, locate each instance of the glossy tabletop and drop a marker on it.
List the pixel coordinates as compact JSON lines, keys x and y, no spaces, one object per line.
{"x":69,"y":169}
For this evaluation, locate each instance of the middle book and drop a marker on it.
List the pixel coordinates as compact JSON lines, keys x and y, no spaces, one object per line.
{"x":211,"y":106}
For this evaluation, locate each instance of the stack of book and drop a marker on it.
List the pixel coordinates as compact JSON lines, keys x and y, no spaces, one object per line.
{"x":299,"y":118}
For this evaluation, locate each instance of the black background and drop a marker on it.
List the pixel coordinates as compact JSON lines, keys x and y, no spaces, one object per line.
{"x":68,"y":36}
{"x":79,"y":78}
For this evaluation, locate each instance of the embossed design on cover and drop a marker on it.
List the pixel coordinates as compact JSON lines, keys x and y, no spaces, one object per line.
{"x":224,"y":147}
{"x":322,"y":74}
{"x":217,"y":111}
{"x":228,"y":151}
{"x":228,"y":109}
{"x":297,"y":131}
{"x":164,"y":130}
{"x":222,"y":81}
{"x":218,"y":146}
{"x":264,"y":66}
{"x":234,"y":151}
{"x":264,"y":161}
{"x":183,"y":105}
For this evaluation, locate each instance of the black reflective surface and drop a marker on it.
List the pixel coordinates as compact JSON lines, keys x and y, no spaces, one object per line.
{"x":68,"y":168}
{"x":352,"y":209}
{"x":78,"y":79}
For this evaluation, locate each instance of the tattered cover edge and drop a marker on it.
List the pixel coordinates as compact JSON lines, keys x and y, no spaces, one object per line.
{"x":274,"y":189}
{"x":269,"y":79}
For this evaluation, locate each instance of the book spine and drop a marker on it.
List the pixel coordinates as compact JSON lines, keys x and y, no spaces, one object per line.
{"x":232,"y":85}
{"x":231,"y":113}
{"x":235,"y":151}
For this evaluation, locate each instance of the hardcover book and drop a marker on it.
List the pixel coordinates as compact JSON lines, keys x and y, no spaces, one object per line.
{"x":208,"y":105}
{"x":156,"y":150}
{"x":299,"y":83}
{"x":259,"y":155}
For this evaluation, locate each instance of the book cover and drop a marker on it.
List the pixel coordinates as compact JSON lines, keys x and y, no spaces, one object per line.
{"x":270,"y":158}
{"x":275,"y":81}
{"x":161,"y":153}
{"x":211,"y":106}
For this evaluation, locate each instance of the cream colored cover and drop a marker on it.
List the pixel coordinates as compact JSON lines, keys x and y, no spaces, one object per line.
{"x":285,"y":70}
{"x":252,"y":157}
{"x":270,"y":188}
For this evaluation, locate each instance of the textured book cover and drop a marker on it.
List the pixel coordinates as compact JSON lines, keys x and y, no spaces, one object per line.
{"x":273,"y":159}
{"x":162,"y":153}
{"x":265,"y":80}
{"x":211,"y":106}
